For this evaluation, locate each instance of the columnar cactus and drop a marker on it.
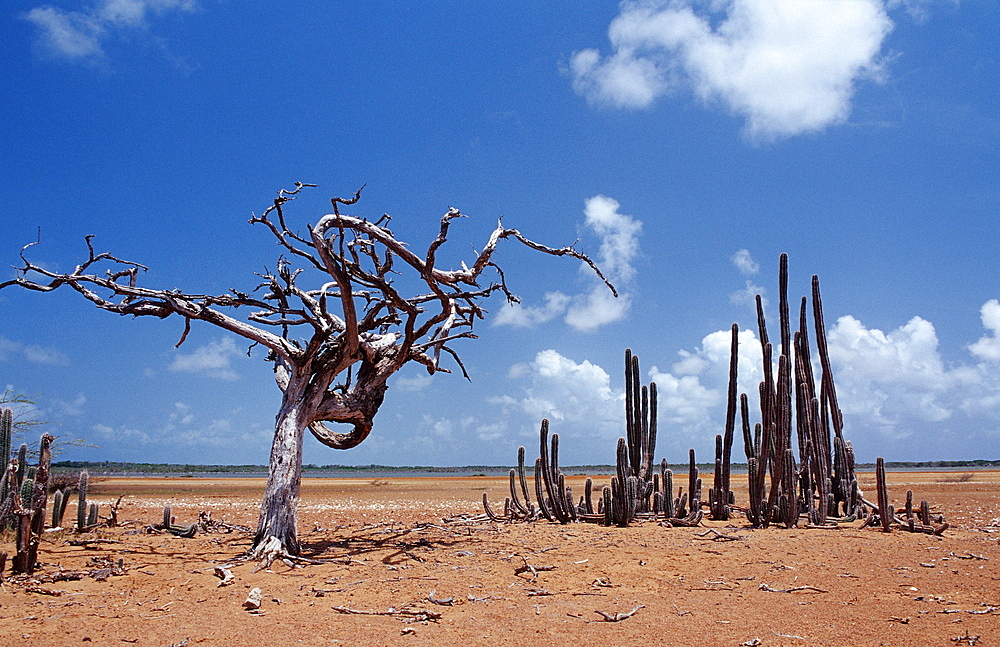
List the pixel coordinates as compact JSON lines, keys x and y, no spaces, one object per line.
{"x":826,"y":485}
{"x":884,"y":509}
{"x":721,"y":496}
{"x":81,"y":505}
{"x":57,"y":508}
{"x":6,"y":429}
{"x":22,"y":463}
{"x":29,"y":509}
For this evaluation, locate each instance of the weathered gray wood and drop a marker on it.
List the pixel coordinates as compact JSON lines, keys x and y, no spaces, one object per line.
{"x":333,"y":345}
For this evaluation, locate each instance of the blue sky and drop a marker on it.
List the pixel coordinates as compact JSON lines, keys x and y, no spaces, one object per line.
{"x":685,"y":144}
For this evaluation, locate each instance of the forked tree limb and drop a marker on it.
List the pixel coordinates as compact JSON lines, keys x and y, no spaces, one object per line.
{"x":335,"y":323}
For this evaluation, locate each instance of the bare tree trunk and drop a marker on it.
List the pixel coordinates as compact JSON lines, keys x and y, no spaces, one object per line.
{"x":276,"y":530}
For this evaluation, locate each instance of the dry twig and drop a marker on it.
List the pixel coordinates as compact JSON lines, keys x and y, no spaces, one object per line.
{"x":618,"y":617}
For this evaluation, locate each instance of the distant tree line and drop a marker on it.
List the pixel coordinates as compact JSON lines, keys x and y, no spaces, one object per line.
{"x":115,"y":467}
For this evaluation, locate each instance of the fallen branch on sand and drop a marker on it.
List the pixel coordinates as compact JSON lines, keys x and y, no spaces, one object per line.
{"x":618,"y":617}
{"x":794,"y":589}
{"x":534,"y":570}
{"x":413,"y":614}
{"x":714,"y":535}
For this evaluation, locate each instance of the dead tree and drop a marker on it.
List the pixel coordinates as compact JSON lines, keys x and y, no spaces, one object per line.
{"x":334,"y":342}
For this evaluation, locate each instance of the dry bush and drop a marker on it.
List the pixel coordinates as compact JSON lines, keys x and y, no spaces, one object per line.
{"x":957,"y":478}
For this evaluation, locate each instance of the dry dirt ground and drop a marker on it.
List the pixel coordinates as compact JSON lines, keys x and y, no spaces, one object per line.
{"x":399,"y":567}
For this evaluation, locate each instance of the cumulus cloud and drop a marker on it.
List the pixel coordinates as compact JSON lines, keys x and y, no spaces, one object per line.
{"x":81,"y":35}
{"x":748,"y":295}
{"x":596,"y":307}
{"x":692,"y":394}
{"x":46,"y":355}
{"x":892,"y":385}
{"x":988,"y":346}
{"x":576,"y":394}
{"x":786,"y":67}
{"x":745,"y":263}
{"x":747,"y":266}
{"x":889,"y":384}
{"x":893,"y":379}
{"x":522,"y":316}
{"x":214,"y":359}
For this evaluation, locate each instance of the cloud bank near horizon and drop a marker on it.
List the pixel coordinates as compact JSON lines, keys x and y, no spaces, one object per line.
{"x":891,"y":386}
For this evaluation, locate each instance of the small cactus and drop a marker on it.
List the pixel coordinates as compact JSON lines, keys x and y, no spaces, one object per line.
{"x":27,"y":492}
{"x":58,"y":500}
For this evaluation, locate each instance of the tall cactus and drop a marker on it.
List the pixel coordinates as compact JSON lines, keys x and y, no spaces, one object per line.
{"x":721,"y":495}
{"x":640,"y":421}
{"x":40,"y":494}
{"x":6,"y":430}
{"x":22,"y":463}
{"x":885,"y":512}
{"x":81,"y":505}
{"x":58,"y":507}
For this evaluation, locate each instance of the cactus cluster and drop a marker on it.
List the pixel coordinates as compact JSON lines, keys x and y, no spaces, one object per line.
{"x":554,"y":498}
{"x":820,"y":486}
{"x":179,"y":531}
{"x":884,"y":514}
{"x":636,"y":489}
{"x":823,"y":487}
{"x":25,"y":497}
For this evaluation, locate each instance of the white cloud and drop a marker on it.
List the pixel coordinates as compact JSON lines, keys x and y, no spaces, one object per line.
{"x":46,"y":355}
{"x":66,"y":408}
{"x":891,"y":386}
{"x":619,"y":237}
{"x":184,"y":429}
{"x":69,"y":35}
{"x":988,"y":346}
{"x":747,"y":266}
{"x":491,"y":432}
{"x":80,"y":35}
{"x":745,"y":263}
{"x":576,"y":395}
{"x":122,"y":434}
{"x":692,"y":395}
{"x":619,"y":247}
{"x":412,"y":383}
{"x":748,"y":295}
{"x":892,"y":380}
{"x":214,"y":359}
{"x":596,"y":307}
{"x":787,"y":67}
{"x":522,"y":316}
{"x":621,"y":80}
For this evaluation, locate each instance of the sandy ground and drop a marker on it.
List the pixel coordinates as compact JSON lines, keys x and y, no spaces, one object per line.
{"x":399,"y":569}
